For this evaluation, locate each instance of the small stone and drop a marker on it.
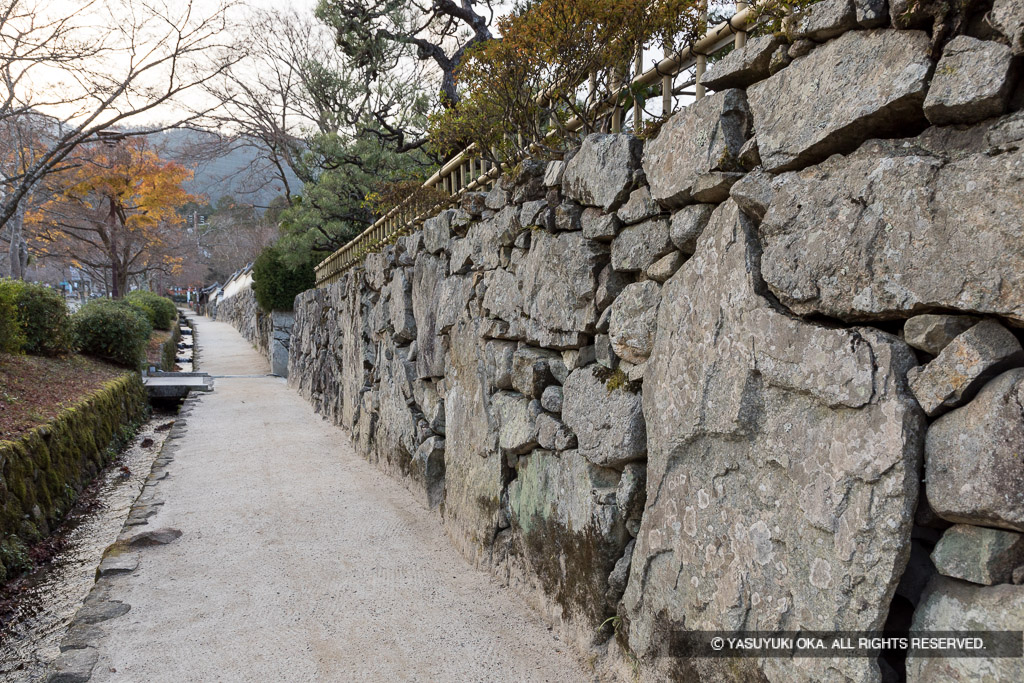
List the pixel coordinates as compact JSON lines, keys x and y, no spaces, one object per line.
{"x":610,"y":284}
{"x":567,"y":216}
{"x":979,"y":555}
{"x":687,"y":225}
{"x":780,"y":60}
{"x":598,"y":225}
{"x":753,"y":193}
{"x":825,"y":20}
{"x":116,"y":561}
{"x":973,"y":462}
{"x":531,"y":214}
{"x":73,"y":666}
{"x":577,"y":358}
{"x":551,"y":432}
{"x":961,"y":369}
{"x":551,"y":399}
{"x":603,"y":353}
{"x":639,"y":207}
{"x":1007,"y":17}
{"x":497,"y":198}
{"x":620,"y":574}
{"x":531,"y":371}
{"x":1018,"y":576}
{"x":93,"y":612}
{"x":602,"y":323}
{"x":750,"y":155}
{"x":972,"y":82}
{"x":801,"y":48}
{"x":565,"y":440}
{"x":742,"y":67}
{"x":638,"y":246}
{"x":553,"y":173}
{"x":634,"y":320}
{"x":713,"y":188}
{"x":665,"y":267}
{"x":161,"y":536}
{"x":631,"y":494}
{"x":872,"y":13}
{"x":932,"y":333}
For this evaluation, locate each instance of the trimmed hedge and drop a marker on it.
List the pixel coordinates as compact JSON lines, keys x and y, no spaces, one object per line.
{"x":160,"y":310}
{"x":43,"y":316}
{"x":45,"y":470}
{"x":275,"y":284}
{"x":112,"y":330}
{"x":12,"y":337}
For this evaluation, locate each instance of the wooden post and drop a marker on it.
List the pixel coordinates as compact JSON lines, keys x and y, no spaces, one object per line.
{"x":666,"y":88}
{"x":638,"y":110}
{"x":702,"y":60}
{"x":616,"y":109}
{"x":741,"y":36}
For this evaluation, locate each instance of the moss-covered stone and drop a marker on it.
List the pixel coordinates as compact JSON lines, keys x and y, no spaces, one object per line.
{"x":43,"y":472}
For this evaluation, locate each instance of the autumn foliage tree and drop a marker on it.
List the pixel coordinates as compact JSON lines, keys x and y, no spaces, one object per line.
{"x":116,"y":213}
{"x":558,"y":61}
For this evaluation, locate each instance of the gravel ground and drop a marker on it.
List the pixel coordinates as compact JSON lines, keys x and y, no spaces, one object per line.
{"x":301,"y":562}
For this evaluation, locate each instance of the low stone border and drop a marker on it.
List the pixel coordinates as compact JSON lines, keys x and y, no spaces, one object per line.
{"x":80,"y":646}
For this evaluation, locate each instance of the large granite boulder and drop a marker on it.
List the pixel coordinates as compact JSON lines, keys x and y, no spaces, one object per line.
{"x":402,"y":319}
{"x":973,"y":464}
{"x":954,"y":606}
{"x":572,"y":531}
{"x":608,"y":422}
{"x":777,"y":448}
{"x":705,"y":137}
{"x":558,"y":280}
{"x":744,"y":66}
{"x":602,"y":173}
{"x":898,"y":227}
{"x":427,"y":277}
{"x":1007,"y":17}
{"x":634,"y":319}
{"x":474,"y":477}
{"x":861,"y":85}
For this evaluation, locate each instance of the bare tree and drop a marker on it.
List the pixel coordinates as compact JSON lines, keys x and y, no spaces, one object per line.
{"x":96,"y":69}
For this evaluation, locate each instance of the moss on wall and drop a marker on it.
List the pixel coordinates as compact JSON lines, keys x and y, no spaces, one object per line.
{"x":169,"y":351}
{"x":43,"y":472}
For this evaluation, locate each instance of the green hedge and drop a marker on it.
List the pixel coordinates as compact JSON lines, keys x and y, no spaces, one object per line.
{"x":43,"y":317}
{"x":160,"y":310}
{"x":12,"y":337}
{"x":169,"y":353}
{"x":45,"y":470}
{"x":275,"y":284}
{"x":112,"y":330}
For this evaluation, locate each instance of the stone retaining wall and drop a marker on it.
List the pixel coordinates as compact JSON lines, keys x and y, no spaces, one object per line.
{"x":270,"y":333}
{"x":44,"y":471}
{"x":698,"y":382}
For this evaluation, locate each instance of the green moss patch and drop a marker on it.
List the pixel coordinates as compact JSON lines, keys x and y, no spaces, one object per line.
{"x":44,"y":470}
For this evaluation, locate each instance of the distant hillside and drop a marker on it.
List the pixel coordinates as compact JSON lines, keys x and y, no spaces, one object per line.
{"x":223,"y":167}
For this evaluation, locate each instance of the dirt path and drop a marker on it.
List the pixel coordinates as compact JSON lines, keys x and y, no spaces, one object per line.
{"x":300,"y":561}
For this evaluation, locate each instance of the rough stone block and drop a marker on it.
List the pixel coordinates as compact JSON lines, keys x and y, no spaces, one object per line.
{"x":705,"y":137}
{"x":602,"y":171}
{"x":859,"y":86}
{"x":979,"y":555}
{"x":551,"y":399}
{"x":638,"y":246}
{"x":639,"y":207}
{"x":743,"y":67}
{"x":609,"y":424}
{"x":973,"y":464}
{"x":687,"y":225}
{"x":531,"y":372}
{"x":931,"y":333}
{"x":598,"y":225}
{"x":553,"y":173}
{"x":713,"y":188}
{"x":665,"y":267}
{"x":1007,"y":17}
{"x":427,"y":468}
{"x":963,"y":367}
{"x":825,"y":20}
{"x":610,"y":283}
{"x":971,"y":83}
{"x":869,"y":236}
{"x":517,"y":420}
{"x":951,"y":605}
{"x":634,"y":320}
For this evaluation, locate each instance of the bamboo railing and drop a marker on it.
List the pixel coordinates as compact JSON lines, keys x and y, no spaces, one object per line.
{"x":468,"y":171}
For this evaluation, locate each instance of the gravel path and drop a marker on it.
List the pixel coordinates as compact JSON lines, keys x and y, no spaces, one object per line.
{"x":301,"y":562}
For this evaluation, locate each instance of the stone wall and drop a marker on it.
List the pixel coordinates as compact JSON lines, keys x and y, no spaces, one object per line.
{"x":269,"y":333}
{"x":698,"y":382}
